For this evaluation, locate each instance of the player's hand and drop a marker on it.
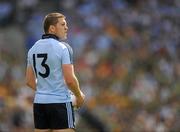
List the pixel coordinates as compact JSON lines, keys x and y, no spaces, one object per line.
{"x":80,"y":100}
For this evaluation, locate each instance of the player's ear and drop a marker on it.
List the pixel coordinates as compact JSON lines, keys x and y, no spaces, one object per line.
{"x":52,"y":29}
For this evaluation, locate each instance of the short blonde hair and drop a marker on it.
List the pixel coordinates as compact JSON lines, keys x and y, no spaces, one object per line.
{"x":51,"y":19}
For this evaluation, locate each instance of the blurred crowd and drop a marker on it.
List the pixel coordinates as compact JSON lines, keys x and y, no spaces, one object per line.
{"x":126,"y":56}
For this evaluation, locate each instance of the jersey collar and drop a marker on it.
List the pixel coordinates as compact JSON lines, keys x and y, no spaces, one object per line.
{"x":45,"y":36}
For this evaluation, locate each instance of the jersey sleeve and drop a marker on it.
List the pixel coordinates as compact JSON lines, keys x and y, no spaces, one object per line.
{"x":67,"y":56}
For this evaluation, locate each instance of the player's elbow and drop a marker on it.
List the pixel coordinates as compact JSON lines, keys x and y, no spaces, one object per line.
{"x":30,"y":84}
{"x":69,"y":81}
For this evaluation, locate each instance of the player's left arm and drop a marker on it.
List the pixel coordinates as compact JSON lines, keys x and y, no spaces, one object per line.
{"x":30,"y":78}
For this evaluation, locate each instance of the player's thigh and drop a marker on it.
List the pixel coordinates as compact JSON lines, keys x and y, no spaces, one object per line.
{"x":41,"y":130}
{"x":64,"y":130}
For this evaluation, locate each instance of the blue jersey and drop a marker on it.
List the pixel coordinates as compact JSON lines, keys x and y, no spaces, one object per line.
{"x":47,"y":57}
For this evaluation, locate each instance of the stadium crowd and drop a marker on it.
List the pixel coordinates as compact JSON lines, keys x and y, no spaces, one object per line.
{"x":126,"y":56}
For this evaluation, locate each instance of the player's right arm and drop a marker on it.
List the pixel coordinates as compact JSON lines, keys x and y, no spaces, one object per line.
{"x":30,"y":78}
{"x":73,"y":84}
{"x":30,"y":75}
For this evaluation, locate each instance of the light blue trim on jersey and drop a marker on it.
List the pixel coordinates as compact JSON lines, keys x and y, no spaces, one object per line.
{"x":50,"y":89}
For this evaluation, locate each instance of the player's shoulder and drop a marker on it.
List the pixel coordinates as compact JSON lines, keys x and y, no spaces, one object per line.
{"x":60,"y":44}
{"x":66,"y":45}
{"x":34,"y":46}
{"x":63,"y":45}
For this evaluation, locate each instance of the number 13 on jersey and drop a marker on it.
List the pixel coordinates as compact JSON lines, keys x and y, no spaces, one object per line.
{"x":44,"y":57}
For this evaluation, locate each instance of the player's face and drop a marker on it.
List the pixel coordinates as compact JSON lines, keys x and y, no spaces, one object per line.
{"x":61,"y":28}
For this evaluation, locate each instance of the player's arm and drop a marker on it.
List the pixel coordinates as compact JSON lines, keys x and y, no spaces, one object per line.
{"x":72,"y":82}
{"x":30,"y":78}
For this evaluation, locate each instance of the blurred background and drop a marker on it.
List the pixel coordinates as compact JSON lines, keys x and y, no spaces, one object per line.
{"x":126,"y":56}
